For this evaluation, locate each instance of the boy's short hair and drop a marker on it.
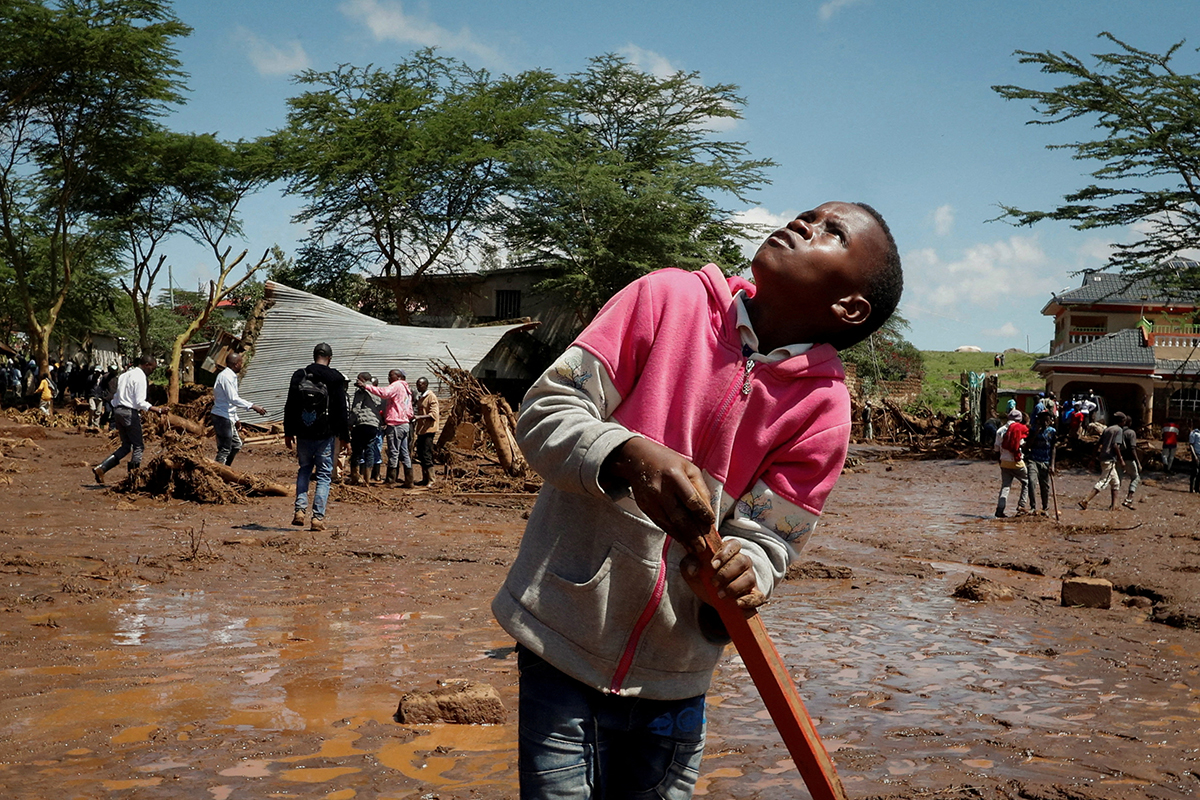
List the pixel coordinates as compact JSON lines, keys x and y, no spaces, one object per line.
{"x":884,"y":286}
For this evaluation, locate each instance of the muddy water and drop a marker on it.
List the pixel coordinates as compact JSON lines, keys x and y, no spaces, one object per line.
{"x":217,"y":701}
{"x":275,"y":674}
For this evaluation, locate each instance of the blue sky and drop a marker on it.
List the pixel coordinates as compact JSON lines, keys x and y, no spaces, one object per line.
{"x":882,"y":101}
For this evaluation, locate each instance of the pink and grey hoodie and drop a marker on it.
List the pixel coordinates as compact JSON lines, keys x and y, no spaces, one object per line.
{"x":596,"y":588}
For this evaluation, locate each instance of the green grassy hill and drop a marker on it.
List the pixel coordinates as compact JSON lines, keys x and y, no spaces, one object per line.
{"x":943,"y":368}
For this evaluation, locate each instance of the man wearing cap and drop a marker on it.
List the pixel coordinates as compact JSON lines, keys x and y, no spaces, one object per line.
{"x":1009,"y":439}
{"x":316,"y":422}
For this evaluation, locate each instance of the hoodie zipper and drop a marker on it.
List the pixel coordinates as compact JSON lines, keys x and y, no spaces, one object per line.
{"x":635,"y":636}
{"x":731,"y":395}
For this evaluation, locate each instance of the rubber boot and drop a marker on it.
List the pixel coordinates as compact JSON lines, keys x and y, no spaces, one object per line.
{"x":390,"y":478}
{"x":104,"y":467}
{"x":375,"y":473}
{"x":353,"y":478}
{"x":425,"y":476}
{"x":229,"y":458}
{"x":408,"y":477}
{"x":1000,"y":504}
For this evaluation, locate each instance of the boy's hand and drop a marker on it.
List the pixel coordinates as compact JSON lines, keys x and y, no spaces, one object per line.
{"x":667,"y":487}
{"x":732,"y":576}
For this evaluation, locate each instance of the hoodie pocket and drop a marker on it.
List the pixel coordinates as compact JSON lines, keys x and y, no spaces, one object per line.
{"x":596,"y":611}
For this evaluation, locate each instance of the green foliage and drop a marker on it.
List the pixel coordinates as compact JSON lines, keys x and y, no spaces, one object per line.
{"x":622,"y":181}
{"x":885,"y":355}
{"x":943,"y":369}
{"x":1148,"y":180}
{"x":401,"y":170}
{"x":79,"y":81}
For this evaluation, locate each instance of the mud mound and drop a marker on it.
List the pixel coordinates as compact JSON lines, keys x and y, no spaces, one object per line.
{"x":982,"y":590}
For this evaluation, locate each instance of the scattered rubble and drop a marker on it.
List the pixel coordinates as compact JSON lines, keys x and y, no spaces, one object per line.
{"x":982,"y":590}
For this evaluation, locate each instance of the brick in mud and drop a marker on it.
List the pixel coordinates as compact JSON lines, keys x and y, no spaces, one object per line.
{"x":463,"y":704}
{"x":1087,"y":592}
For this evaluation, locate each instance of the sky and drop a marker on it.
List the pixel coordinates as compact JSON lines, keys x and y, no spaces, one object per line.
{"x":887,"y":102}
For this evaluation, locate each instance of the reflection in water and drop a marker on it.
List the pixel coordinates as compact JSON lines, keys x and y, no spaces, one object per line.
{"x":271,"y":696}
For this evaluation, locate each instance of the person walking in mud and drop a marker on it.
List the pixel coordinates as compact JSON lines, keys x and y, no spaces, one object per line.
{"x":1194,"y":447}
{"x":316,"y":423}
{"x":1009,"y":440}
{"x":1170,"y":441}
{"x":1108,"y":451}
{"x":1039,"y":447}
{"x":397,"y":416}
{"x":226,"y":404}
{"x":426,"y":422}
{"x":1133,"y":465}
{"x":128,"y":404}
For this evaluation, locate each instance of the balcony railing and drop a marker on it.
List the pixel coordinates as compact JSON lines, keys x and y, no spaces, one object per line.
{"x":1083,"y":335}
{"x":1174,"y":335}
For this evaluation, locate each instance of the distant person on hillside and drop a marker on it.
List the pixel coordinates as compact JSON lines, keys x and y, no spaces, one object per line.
{"x":1170,"y":440}
{"x":1108,"y":451}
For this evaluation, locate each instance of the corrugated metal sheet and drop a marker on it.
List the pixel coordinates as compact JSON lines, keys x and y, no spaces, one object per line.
{"x":299,"y":321}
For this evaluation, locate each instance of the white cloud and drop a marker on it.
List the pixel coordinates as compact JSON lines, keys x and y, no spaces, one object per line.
{"x":765,"y":221}
{"x":648,"y":61}
{"x":1007,"y":331}
{"x":943,"y":220}
{"x":269,"y":59}
{"x":827,"y":10}
{"x":387,"y":22}
{"x":986,"y":275}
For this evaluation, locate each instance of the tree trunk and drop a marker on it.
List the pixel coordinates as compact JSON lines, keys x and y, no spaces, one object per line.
{"x":496,"y":424}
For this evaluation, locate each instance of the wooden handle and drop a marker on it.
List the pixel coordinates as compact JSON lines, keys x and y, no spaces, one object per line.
{"x":778,"y":691}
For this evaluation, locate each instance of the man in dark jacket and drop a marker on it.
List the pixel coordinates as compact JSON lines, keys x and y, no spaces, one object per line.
{"x":316,"y":421}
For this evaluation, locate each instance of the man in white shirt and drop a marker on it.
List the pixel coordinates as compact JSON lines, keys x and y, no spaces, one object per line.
{"x":226,"y":402}
{"x":128,"y":404}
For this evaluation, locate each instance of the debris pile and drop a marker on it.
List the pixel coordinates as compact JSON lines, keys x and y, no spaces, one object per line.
{"x":180,"y":470}
{"x":478,"y":440}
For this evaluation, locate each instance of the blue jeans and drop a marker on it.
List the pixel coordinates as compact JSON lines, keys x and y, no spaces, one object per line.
{"x":397,"y":436}
{"x":578,"y":743}
{"x":312,"y":453}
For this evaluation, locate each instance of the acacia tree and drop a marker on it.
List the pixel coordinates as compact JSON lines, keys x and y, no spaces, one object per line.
{"x":79,"y":79}
{"x":625,"y":180}
{"x":400,"y":169}
{"x":1149,"y":154}
{"x":147,"y":198}
{"x":215,"y":180}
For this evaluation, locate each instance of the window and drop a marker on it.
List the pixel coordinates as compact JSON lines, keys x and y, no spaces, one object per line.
{"x":1184,"y":403}
{"x":508,"y":303}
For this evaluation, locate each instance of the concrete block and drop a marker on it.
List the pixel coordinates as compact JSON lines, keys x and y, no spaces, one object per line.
{"x":1087,"y":592}
{"x":465,"y":704}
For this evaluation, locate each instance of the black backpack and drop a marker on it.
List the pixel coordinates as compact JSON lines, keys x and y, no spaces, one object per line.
{"x":314,"y":401}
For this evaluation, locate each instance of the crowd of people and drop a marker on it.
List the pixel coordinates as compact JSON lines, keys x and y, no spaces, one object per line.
{"x":1027,"y":454}
{"x":22,"y":384}
{"x":321,"y":421}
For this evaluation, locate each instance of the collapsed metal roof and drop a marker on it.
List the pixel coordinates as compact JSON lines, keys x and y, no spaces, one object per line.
{"x":298,"y":321}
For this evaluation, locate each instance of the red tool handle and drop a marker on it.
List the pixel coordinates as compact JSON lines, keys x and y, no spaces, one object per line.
{"x":775,"y":685}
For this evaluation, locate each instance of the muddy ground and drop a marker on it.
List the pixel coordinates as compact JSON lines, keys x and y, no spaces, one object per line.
{"x":159,"y":649}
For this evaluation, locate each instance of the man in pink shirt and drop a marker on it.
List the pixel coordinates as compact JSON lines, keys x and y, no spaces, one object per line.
{"x":397,"y":415}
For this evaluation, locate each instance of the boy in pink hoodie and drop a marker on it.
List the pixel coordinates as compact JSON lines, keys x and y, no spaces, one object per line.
{"x":691,"y":399}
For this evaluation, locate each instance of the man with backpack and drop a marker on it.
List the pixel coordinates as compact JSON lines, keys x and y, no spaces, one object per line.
{"x":316,"y":422}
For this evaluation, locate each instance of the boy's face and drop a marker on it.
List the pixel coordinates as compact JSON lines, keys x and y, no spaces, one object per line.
{"x":819,"y":263}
